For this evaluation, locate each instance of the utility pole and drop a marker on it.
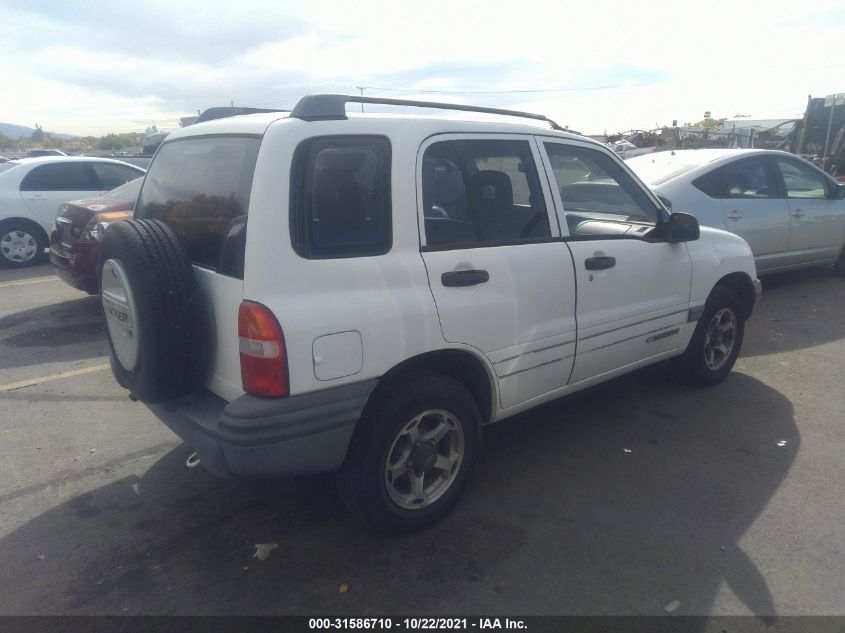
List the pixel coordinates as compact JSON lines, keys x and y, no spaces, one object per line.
{"x":833,"y":100}
{"x":361,"y":88}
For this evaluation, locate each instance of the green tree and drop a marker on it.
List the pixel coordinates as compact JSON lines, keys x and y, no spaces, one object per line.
{"x":5,"y":141}
{"x":92,"y":141}
{"x":709,"y":122}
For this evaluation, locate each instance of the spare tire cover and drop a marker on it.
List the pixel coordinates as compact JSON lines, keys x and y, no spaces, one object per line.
{"x":150,"y":301}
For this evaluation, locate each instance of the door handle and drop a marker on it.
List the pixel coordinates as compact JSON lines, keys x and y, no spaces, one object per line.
{"x":599,"y":263}
{"x":734,"y":215}
{"x":797,"y":213}
{"x":457,"y":278}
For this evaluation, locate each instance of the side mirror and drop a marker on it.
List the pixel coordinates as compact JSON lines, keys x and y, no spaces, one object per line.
{"x":840,"y":189}
{"x":682,"y":227}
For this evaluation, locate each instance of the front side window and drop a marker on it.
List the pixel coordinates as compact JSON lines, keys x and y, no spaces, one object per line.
{"x":482,"y":192}
{"x":801,"y":181}
{"x":200,"y":187}
{"x":64,"y":176}
{"x":749,"y":178}
{"x":112,"y":175}
{"x":599,"y":197}
{"x":340,"y":197}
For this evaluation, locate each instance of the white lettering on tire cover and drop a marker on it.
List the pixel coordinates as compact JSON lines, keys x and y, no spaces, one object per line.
{"x":119,"y":309}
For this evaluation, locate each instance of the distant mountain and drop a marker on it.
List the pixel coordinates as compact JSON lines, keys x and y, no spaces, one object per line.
{"x":16,"y":132}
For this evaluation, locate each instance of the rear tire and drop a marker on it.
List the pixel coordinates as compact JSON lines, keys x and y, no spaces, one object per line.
{"x":150,"y":301}
{"x":839,"y":266}
{"x":22,"y":244}
{"x":716,"y":342}
{"x":429,"y":419}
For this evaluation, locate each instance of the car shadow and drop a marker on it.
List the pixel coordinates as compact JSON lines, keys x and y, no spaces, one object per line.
{"x":618,"y":500}
{"x":799,"y":309}
{"x":71,"y":330}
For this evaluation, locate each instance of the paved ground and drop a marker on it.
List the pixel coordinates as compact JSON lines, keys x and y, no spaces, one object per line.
{"x":729,"y":501}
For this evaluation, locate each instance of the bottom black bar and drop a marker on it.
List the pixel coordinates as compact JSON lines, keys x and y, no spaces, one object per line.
{"x":522,"y":624}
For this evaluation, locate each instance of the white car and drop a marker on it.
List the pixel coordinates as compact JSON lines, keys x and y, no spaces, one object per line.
{"x":626,"y":149}
{"x":314,"y":291}
{"x":31,"y":190}
{"x":790,"y":212}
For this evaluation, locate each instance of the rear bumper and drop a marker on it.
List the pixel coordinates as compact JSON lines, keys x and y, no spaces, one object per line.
{"x":76,"y":266}
{"x":268,"y":437}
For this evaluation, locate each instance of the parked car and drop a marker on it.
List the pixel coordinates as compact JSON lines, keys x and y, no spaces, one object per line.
{"x":314,"y":291}
{"x":790,"y":212}
{"x":37,"y":153}
{"x":80,"y":225}
{"x":626,"y":149}
{"x":31,"y":190}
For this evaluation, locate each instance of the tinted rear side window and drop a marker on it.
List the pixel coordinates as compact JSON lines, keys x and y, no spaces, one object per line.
{"x":69,"y":176}
{"x":200,"y":187}
{"x":749,"y":178}
{"x":340,"y":197}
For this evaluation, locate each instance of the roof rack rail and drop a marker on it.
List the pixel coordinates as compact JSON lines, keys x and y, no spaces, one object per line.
{"x":222,"y":112}
{"x":322,"y":107}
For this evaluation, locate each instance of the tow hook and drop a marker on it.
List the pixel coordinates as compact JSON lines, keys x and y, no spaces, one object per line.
{"x":193,"y":460}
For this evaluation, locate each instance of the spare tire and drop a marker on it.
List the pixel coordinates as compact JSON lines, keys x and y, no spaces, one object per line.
{"x":151,"y":304}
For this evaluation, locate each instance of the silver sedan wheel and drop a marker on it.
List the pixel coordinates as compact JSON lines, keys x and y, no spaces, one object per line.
{"x":720,"y":339}
{"x":119,"y":308}
{"x":424,"y":459}
{"x":18,"y":246}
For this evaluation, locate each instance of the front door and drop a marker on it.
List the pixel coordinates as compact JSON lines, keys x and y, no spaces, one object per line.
{"x":501,"y":278}
{"x":633,"y":289}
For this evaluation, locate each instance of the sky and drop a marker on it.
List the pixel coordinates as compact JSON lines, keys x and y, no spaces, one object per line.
{"x":95,"y":66}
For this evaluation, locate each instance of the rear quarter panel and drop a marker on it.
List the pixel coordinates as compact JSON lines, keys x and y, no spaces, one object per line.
{"x":384,"y":298}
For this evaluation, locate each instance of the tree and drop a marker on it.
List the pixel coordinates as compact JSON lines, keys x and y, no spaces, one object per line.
{"x":5,"y":141}
{"x":709,"y":122}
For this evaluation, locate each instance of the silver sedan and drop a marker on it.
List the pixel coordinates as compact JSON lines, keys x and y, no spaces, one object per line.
{"x":790,"y":212}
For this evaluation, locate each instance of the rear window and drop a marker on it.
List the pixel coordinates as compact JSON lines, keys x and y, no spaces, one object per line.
{"x":200,"y":187}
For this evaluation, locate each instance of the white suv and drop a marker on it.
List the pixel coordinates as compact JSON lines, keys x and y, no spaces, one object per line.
{"x":314,"y":291}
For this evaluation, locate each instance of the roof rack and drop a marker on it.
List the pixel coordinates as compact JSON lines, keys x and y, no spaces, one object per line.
{"x":323,"y":107}
{"x":222,"y":112}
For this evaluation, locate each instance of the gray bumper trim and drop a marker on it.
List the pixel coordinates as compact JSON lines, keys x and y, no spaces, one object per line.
{"x":268,"y":437}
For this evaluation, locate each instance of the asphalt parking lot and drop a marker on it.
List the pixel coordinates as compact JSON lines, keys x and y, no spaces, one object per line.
{"x":622,"y":499}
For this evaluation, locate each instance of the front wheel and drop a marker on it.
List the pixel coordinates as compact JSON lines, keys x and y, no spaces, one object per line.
{"x":21,"y":245}
{"x":716,"y":342}
{"x":410,"y":460}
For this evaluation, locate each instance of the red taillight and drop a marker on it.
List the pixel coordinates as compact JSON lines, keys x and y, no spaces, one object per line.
{"x":264,"y":368}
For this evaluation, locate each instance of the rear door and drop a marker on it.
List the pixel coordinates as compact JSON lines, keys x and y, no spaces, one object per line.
{"x":817,"y":221}
{"x":45,"y":187}
{"x":633,"y":289}
{"x":200,"y":187}
{"x":501,"y":278}
{"x":753,"y":207}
